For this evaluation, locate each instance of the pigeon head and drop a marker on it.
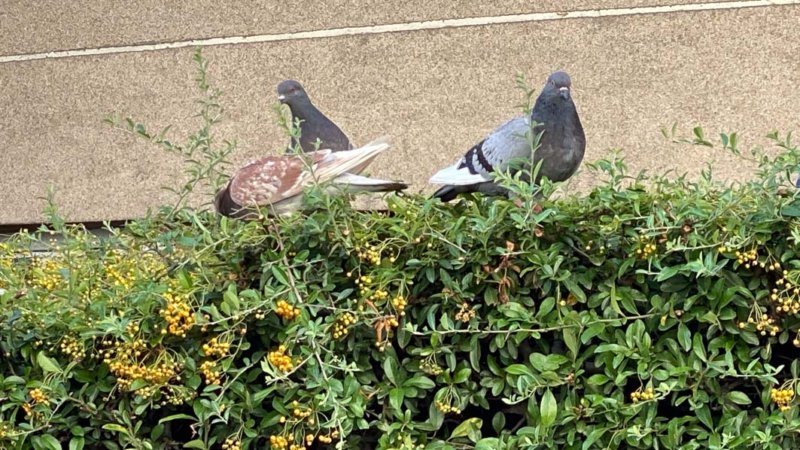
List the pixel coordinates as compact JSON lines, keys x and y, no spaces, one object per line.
{"x":558,"y":85}
{"x":291,"y":92}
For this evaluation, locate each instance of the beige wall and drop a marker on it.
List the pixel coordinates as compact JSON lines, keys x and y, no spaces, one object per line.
{"x":435,"y":91}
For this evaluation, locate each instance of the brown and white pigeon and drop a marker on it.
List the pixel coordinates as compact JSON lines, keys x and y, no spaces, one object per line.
{"x":313,"y":124}
{"x":278,"y":182}
{"x":561,"y":149}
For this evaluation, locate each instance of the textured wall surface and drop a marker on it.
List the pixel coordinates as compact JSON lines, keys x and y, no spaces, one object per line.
{"x":434,"y":91}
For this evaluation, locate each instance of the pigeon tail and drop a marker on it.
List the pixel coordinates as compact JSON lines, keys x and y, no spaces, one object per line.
{"x":457,"y":175}
{"x":357,"y":183}
{"x":225,"y":205}
{"x":356,"y":160}
{"x":446,"y":193}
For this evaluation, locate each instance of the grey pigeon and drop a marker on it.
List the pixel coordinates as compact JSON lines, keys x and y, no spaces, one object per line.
{"x":561,"y":149}
{"x":278,"y":182}
{"x":313,"y":124}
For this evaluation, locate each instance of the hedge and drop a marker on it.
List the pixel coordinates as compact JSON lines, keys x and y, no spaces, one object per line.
{"x":647,"y":313}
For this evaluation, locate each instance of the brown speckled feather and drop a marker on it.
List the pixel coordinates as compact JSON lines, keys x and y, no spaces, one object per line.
{"x":279,"y":181}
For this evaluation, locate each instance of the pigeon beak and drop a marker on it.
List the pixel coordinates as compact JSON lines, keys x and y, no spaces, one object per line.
{"x":281,"y":98}
{"x":564,"y":92}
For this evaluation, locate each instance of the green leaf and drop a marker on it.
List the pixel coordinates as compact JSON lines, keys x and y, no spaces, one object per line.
{"x":280,"y":274}
{"x":157,"y":431}
{"x":592,"y":331}
{"x":76,"y":443}
{"x":47,"y":364}
{"x":740,"y":398}
{"x":115,"y":427}
{"x":498,"y":422}
{"x":704,"y":414}
{"x":598,"y":379}
{"x":420,"y":382}
{"x":698,"y":347}
{"x":667,"y":273}
{"x":177,"y":417}
{"x":230,"y":299}
{"x":684,"y":337}
{"x":467,"y":428}
{"x":45,"y":442}
{"x":488,"y":444}
{"x":593,"y":436}
{"x":571,"y":339}
{"x":396,"y":397}
{"x":518,"y":369}
{"x":389,"y":368}
{"x":197,"y":443}
{"x":462,"y":375}
{"x":548,"y":409}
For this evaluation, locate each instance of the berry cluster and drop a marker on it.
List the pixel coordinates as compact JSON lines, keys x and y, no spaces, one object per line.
{"x":125,"y":269}
{"x":342,"y":325}
{"x":376,"y":296}
{"x":445,"y":408}
{"x":231,"y":444}
{"x":370,"y":255}
{"x":178,"y":314}
{"x":46,"y":274}
{"x":286,"y":311}
{"x":764,"y":325}
{"x":120,"y":276}
{"x":399,"y":303}
{"x":282,"y":443}
{"x":465,"y":313}
{"x":5,"y":430}
{"x":73,"y":348}
{"x":29,"y":412}
{"x":640,"y":395}
{"x":363,"y":283}
{"x":646,"y":249}
{"x":132,"y":328}
{"x":430,"y":367}
{"x":782,"y":398}
{"x":123,"y":360}
{"x":38,"y":396}
{"x":322,"y":438}
{"x":748,"y":258}
{"x":210,"y":373}
{"x":298,"y":412}
{"x":789,"y":304}
{"x":280,"y":359}
{"x":787,"y":299}
{"x":600,"y":250}
{"x":216,"y":348}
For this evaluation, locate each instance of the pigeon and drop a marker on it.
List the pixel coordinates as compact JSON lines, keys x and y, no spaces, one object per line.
{"x":278,"y":182}
{"x":560,"y":151}
{"x":313,"y":124}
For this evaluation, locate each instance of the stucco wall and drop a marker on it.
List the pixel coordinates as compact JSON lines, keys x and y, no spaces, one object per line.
{"x":434,"y":91}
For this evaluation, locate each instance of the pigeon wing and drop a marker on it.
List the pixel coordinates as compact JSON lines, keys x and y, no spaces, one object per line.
{"x":272,"y":178}
{"x":506,"y":142}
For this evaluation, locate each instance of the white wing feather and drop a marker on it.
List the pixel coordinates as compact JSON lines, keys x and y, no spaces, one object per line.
{"x":457,"y":177}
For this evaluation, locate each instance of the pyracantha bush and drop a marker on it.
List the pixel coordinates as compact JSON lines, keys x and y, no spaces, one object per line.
{"x":647,"y":313}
